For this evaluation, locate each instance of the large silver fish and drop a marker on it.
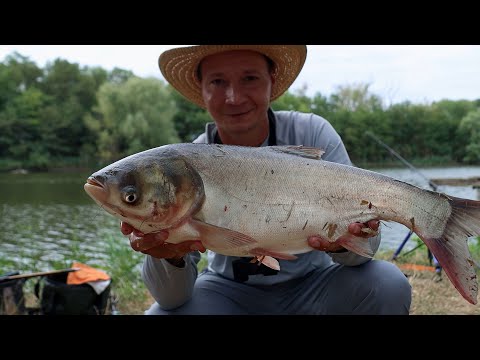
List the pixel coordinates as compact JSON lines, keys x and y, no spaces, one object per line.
{"x":265,"y":202}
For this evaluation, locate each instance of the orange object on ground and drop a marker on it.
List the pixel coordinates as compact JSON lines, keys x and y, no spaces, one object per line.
{"x":85,"y":274}
{"x":416,"y":267}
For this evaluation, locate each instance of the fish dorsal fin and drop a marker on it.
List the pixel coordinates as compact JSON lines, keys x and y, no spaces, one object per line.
{"x":300,"y":150}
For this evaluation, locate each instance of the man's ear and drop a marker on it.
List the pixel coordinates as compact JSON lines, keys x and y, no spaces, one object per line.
{"x":272,"y":77}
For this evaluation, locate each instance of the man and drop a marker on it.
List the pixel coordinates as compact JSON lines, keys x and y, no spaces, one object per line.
{"x":236,"y":84}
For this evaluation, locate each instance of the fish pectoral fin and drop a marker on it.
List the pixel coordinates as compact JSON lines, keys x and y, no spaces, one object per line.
{"x":269,"y":261}
{"x":300,"y":150}
{"x":218,"y":238}
{"x":356,"y":244}
{"x":265,"y":252}
{"x":267,"y":257}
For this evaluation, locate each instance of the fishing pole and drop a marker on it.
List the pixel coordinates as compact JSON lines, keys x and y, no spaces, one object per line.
{"x":399,"y":157}
{"x":430,"y":182}
{"x":414,"y":169}
{"x":43,"y":273}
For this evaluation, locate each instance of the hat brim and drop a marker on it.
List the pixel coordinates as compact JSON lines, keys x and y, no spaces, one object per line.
{"x":179,"y":66}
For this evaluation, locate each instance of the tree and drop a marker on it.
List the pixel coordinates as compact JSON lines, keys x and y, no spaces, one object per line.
{"x":295,"y":101}
{"x":17,"y":73}
{"x":469,"y":131}
{"x":21,"y":130}
{"x":355,"y":97}
{"x":132,"y":116}
{"x":189,"y":118}
{"x":119,"y":76}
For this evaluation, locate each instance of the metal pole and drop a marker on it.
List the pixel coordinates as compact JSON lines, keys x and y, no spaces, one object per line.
{"x":397,"y":252}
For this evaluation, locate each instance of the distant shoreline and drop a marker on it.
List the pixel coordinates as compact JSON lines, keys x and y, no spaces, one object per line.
{"x":86,"y":169}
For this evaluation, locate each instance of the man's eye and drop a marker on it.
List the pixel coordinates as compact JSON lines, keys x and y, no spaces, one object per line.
{"x":251,"y":78}
{"x":217,"y":82}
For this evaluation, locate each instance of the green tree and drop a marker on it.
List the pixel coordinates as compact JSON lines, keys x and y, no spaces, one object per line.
{"x":72,"y":91}
{"x":294,"y":101}
{"x":448,"y":115}
{"x":132,"y":116}
{"x":17,"y":73}
{"x":189,"y":119}
{"x":469,"y":131}
{"x":355,"y":97}
{"x":119,"y":76}
{"x":21,"y":131}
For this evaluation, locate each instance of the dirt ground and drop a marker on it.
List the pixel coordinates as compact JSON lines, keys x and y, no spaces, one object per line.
{"x":433,"y":297}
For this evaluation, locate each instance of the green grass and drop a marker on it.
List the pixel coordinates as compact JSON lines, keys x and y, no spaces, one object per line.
{"x":124,"y":266}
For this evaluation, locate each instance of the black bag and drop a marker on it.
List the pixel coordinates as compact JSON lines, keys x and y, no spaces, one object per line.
{"x":59,"y":298}
{"x":12,"y":300}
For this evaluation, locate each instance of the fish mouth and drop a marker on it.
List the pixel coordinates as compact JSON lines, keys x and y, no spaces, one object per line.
{"x":96,"y":189}
{"x":94,"y":182}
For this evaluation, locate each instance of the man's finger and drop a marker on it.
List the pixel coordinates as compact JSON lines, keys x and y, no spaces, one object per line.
{"x":373,"y":224}
{"x":125,"y":228}
{"x":356,"y":229}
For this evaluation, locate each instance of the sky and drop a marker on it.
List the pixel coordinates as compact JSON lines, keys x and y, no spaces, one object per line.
{"x":417,"y":73}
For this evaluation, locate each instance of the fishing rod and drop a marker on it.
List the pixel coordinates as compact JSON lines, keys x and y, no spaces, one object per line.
{"x":43,"y":273}
{"x":414,"y":169}
{"x":430,"y":182}
{"x":399,"y":157}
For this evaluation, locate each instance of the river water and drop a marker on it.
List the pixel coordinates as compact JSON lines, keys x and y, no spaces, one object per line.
{"x":47,"y":218}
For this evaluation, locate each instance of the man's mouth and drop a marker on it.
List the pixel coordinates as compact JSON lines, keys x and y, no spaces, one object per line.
{"x":239,"y":113}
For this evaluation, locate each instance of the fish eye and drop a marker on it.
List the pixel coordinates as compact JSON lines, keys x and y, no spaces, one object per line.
{"x":129,"y":195}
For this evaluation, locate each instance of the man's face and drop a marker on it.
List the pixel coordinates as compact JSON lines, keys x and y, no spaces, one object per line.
{"x":236,"y":89}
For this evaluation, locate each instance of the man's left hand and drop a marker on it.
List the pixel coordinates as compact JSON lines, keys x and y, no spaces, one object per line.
{"x":355,"y":229}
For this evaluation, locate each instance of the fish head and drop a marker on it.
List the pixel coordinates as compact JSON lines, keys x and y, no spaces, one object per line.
{"x":148,"y":191}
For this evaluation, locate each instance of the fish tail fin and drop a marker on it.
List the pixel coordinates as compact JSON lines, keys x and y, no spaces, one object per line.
{"x":451,"y":248}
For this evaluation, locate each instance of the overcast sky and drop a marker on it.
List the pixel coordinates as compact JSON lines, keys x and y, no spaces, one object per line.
{"x":418,"y":73}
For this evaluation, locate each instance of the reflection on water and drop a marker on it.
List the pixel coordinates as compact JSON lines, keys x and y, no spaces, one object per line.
{"x":49,"y":233}
{"x":48,"y":217}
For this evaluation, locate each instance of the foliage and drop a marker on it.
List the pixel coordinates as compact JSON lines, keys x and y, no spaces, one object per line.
{"x":189,"y":119}
{"x":63,"y":111}
{"x":130,"y":117}
{"x":123,"y":266}
{"x":469,"y":131}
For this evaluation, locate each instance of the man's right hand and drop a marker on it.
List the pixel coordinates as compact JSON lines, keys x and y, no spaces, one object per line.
{"x":154,"y":244}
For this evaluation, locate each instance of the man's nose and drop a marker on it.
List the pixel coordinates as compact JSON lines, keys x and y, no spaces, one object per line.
{"x":233,"y":94}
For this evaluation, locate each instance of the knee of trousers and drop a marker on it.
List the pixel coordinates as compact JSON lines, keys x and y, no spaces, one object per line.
{"x":155,"y":309}
{"x":388,"y":282}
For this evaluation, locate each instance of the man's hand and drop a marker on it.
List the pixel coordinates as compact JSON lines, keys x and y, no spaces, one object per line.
{"x":354,"y":229}
{"x":154,"y":243}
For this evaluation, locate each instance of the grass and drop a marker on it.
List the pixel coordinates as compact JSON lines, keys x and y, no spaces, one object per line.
{"x":122,"y":264}
{"x":432,"y":295}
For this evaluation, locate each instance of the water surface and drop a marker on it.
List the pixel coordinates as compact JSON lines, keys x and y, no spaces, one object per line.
{"x":47,"y":218}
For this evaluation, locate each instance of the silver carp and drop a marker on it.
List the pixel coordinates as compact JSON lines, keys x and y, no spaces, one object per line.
{"x":265,"y":202}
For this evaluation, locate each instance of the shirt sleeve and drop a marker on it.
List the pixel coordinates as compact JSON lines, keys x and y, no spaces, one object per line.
{"x":170,"y":286}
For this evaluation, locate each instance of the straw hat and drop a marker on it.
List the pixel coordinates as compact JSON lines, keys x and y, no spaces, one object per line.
{"x":179,"y":66}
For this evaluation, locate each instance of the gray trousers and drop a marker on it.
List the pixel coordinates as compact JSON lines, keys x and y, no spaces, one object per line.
{"x":376,"y":287}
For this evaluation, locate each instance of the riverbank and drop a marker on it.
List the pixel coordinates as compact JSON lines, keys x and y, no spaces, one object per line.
{"x":432,"y":294}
